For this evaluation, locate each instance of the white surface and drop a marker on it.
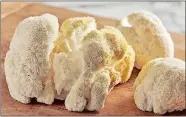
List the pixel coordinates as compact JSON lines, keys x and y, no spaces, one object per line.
{"x":172,"y":14}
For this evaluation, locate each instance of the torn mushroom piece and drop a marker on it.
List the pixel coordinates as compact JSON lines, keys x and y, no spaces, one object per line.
{"x":160,"y":86}
{"x":113,"y":39}
{"x":89,"y":86}
{"x":148,"y":37}
{"x":66,"y":57}
{"x":27,"y":60}
{"x":103,"y":51}
{"x":80,"y":54}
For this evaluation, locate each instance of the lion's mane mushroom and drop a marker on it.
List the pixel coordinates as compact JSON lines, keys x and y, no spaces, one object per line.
{"x":27,"y":60}
{"x":148,"y":37}
{"x":160,"y":86}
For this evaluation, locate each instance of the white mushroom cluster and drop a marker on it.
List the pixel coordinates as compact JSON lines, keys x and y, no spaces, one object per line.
{"x":81,"y":64}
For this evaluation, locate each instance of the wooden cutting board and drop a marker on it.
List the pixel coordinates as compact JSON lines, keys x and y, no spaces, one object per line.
{"x":119,"y":101}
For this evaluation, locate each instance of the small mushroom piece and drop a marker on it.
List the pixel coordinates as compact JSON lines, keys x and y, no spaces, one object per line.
{"x":148,"y":37}
{"x":160,"y":86}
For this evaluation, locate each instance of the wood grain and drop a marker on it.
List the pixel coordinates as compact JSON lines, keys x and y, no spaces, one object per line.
{"x":120,"y":100}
